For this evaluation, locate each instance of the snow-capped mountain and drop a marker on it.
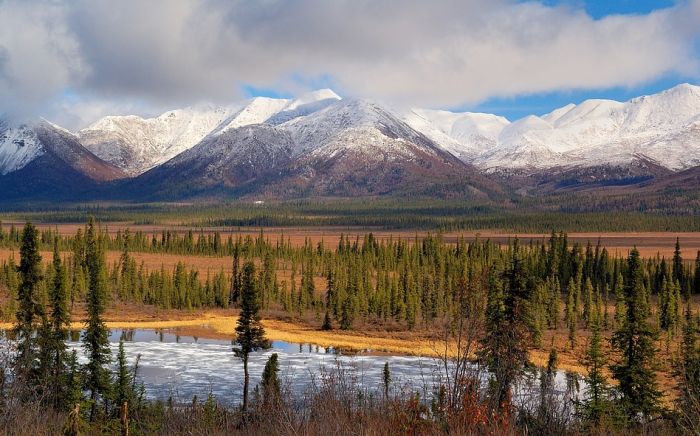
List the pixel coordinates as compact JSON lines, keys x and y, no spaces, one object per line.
{"x":663,"y":128}
{"x":227,"y":161}
{"x":136,"y":145}
{"x":343,"y":147}
{"x":358,"y":147}
{"x":466,"y":135}
{"x":44,"y":161}
{"x":320,"y":144}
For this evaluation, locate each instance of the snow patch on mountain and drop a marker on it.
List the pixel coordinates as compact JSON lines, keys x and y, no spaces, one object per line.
{"x":315,"y":130}
{"x":304,"y":105}
{"x":256,"y":111}
{"x":465,"y":135}
{"x":135,"y":144}
{"x":18,"y":147}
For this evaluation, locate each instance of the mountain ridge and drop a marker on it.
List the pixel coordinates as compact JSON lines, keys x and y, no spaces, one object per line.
{"x":320,"y":144}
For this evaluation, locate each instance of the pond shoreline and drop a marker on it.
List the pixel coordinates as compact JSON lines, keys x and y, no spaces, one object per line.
{"x":220,"y":324}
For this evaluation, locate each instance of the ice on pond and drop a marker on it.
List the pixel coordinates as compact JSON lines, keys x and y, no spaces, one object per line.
{"x":183,"y":366}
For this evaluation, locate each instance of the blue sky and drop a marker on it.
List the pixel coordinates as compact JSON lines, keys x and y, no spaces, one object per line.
{"x":602,"y":8}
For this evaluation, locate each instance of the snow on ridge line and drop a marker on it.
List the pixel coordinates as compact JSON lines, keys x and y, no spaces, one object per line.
{"x":594,"y":132}
{"x":18,"y":147}
{"x":136,"y":144}
{"x":664,"y":126}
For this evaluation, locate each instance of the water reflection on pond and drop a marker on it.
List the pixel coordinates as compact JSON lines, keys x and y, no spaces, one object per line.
{"x":184,"y":366}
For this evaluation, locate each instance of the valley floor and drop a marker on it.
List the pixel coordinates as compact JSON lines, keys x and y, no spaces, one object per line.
{"x":649,"y":244}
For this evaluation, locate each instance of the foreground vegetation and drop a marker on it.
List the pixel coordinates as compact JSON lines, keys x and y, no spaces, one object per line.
{"x":485,"y":302}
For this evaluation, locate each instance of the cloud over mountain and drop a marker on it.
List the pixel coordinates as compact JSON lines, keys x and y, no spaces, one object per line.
{"x":437,"y":54}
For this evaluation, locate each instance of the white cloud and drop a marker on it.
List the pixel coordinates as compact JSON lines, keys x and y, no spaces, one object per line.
{"x":441,"y":53}
{"x":38,"y":55}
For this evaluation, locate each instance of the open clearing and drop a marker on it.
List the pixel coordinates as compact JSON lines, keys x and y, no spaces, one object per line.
{"x":649,"y":243}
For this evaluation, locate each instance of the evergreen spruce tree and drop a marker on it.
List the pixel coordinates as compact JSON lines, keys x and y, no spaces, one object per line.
{"x":687,"y":373}
{"x":571,"y":313}
{"x":677,"y":270}
{"x":604,"y":302}
{"x":74,"y":389}
{"x":235,"y":277}
{"x":250,"y":335}
{"x":554,"y":306}
{"x":508,"y":334}
{"x":676,"y":307}
{"x":96,"y":334}
{"x":123,"y":383}
{"x":547,"y":406}
{"x":29,"y":307}
{"x":386,"y":380}
{"x":620,"y":305}
{"x":696,"y":280}
{"x":330,"y":291}
{"x":537,"y":308}
{"x":270,"y":380}
{"x":587,"y":302}
{"x":669,"y":306}
{"x":60,"y":324}
{"x":596,"y":405}
{"x":45,"y":345}
{"x":327,"y":322}
{"x":347,"y":313}
{"x":634,"y":340}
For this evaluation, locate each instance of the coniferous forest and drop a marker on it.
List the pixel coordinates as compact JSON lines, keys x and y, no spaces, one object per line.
{"x":630,"y":323}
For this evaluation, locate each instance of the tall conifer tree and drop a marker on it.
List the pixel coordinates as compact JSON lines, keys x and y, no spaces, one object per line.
{"x":29,"y":307}
{"x":60,"y":323}
{"x":96,"y":334}
{"x":634,"y":340}
{"x":250,"y":334}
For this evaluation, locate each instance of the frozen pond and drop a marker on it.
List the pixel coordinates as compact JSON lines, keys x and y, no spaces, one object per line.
{"x":183,"y":366}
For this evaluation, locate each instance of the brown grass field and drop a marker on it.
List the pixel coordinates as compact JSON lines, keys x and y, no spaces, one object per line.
{"x":649,"y":244}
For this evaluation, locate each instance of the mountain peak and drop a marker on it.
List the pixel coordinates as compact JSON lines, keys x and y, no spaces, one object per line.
{"x":322,"y":94}
{"x":684,"y":87}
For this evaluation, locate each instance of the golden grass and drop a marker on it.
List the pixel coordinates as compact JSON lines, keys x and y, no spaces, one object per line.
{"x":219,"y":326}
